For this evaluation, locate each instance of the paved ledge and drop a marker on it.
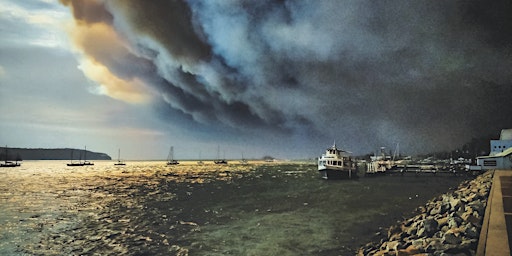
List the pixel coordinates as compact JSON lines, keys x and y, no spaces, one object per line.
{"x":496,"y":233}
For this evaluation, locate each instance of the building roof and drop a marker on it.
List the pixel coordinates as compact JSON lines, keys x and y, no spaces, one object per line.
{"x":505,"y":153}
{"x":506,"y":134}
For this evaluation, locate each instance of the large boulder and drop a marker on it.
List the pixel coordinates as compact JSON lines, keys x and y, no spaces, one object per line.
{"x":431,"y":227}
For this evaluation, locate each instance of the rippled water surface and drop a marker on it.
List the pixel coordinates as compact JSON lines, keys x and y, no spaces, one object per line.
{"x":148,"y":208}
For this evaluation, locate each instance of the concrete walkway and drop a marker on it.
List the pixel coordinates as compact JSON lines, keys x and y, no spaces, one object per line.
{"x":496,"y":234}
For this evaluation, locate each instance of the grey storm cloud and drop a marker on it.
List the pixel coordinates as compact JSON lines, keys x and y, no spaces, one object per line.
{"x":430,"y":74}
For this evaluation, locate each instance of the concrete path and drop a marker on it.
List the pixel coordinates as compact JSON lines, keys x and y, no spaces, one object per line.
{"x":496,"y":234}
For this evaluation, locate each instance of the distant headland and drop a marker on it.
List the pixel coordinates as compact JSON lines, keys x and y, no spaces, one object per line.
{"x":17,"y":154}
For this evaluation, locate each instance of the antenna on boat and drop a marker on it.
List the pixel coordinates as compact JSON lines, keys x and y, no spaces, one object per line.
{"x":396,"y":154}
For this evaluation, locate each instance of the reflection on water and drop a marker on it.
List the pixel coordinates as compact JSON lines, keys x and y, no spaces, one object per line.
{"x":150,"y":208}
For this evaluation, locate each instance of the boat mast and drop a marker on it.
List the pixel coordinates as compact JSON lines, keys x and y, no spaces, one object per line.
{"x":5,"y":159}
{"x":171,"y":154}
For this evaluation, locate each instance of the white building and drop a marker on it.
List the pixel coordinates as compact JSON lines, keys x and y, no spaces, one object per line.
{"x":504,"y":143}
{"x":500,"y":161}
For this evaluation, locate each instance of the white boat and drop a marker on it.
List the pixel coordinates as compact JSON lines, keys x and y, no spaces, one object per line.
{"x":10,"y":163}
{"x":380,"y":164}
{"x":336,"y":164}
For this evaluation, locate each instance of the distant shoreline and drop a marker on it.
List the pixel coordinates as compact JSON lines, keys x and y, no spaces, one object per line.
{"x":19,"y":154}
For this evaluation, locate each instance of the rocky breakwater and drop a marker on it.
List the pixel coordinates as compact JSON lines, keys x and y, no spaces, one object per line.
{"x":447,"y":225}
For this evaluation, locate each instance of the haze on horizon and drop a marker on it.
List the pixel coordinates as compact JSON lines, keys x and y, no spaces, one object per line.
{"x":280,"y":78}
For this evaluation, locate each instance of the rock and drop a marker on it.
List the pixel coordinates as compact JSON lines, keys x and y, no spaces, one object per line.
{"x":454,"y":222}
{"x":419,"y":243}
{"x":412,"y":230}
{"x":421,"y":232}
{"x":451,"y":238}
{"x":436,"y":210}
{"x":393,"y":231}
{"x":430,"y":226}
{"x":434,"y":245}
{"x":474,"y":220}
{"x":478,"y":206}
{"x":410,"y":250}
{"x":472,"y":232}
{"x":454,"y":203}
{"x":392,"y":245}
{"x":442,"y":221}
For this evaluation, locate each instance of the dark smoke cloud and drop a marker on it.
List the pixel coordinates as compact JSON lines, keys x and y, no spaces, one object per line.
{"x":428,"y":74}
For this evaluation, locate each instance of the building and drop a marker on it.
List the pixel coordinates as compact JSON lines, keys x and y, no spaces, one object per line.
{"x":500,"y":156}
{"x":504,"y":143}
{"x":501,"y":161}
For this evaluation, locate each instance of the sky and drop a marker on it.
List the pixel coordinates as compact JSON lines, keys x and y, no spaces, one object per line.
{"x":253,"y":78}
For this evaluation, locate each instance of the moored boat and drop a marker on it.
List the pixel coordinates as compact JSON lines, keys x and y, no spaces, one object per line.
{"x":8,"y":163}
{"x":381,"y":164}
{"x":80,"y":162}
{"x":220,"y":161}
{"x":119,"y":162}
{"x":170,"y":158}
{"x":337,"y":164}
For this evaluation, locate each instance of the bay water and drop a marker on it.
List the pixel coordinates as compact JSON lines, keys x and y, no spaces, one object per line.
{"x":148,"y":208}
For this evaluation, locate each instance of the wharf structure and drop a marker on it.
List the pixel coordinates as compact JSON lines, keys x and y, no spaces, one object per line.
{"x":500,"y":156}
{"x":496,"y":234}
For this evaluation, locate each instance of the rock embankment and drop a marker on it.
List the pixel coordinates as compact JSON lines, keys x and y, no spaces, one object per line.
{"x":448,"y":224}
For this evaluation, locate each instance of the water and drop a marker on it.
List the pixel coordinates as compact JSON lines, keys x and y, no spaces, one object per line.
{"x":149,"y":208}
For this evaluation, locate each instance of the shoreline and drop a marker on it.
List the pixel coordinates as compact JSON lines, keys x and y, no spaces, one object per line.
{"x":450,"y":223}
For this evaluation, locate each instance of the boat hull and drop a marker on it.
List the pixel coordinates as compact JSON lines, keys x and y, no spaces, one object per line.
{"x":77,"y":164}
{"x":9,"y":165}
{"x":335,"y":173}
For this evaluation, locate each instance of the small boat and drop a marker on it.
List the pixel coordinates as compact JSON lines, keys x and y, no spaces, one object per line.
{"x":200,"y":162}
{"x":336,"y":164}
{"x":10,"y":164}
{"x":119,"y":162}
{"x":170,"y":158}
{"x":80,"y":163}
{"x":85,"y":157}
{"x":243,"y":161}
{"x":219,"y":161}
{"x":380,"y":164}
{"x":7,"y":163}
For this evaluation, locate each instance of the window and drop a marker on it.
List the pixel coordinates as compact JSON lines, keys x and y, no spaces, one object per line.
{"x":489,"y":162}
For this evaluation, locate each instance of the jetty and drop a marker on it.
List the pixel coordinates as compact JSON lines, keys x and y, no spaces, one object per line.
{"x":496,"y":234}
